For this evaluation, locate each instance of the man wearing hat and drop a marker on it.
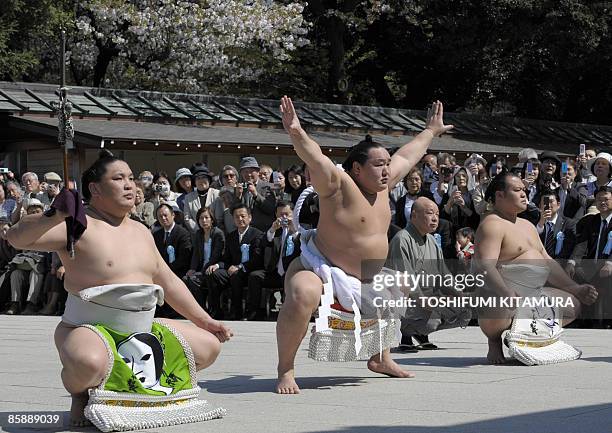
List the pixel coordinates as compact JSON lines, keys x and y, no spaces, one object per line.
{"x":202,"y":196}
{"x":183,"y":184}
{"x":601,"y":167}
{"x":52,"y":188}
{"x":256,"y":194}
{"x":551,"y":165}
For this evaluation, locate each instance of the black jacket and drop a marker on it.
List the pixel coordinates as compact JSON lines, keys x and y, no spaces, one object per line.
{"x":216,"y":253}
{"x":568,"y":228}
{"x":263,"y":206}
{"x":233,"y":256}
{"x":576,"y":202}
{"x":587,"y":230}
{"x":180,"y":240}
{"x":276,"y":249}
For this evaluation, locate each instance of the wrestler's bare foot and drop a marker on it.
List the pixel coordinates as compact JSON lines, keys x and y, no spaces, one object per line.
{"x":77,"y":416}
{"x":387,"y":367}
{"x":286,"y":383}
{"x":496,"y":352}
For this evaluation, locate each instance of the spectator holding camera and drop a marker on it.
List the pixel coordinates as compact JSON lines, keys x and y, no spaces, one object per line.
{"x":551,"y":166}
{"x":161,"y":191}
{"x":582,"y":164}
{"x":478,"y":180}
{"x":284,"y":244}
{"x":557,"y":233}
{"x":530,"y":175}
{"x":457,"y":205}
{"x":446,"y":166}
{"x":430,"y":170}
{"x":256,"y":194}
{"x":52,"y":186}
{"x":572,"y":198}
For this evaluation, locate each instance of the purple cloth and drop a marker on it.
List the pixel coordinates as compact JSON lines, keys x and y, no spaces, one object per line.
{"x":69,"y":201}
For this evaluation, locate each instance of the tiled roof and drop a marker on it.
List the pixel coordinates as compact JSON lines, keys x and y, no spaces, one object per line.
{"x":185,"y":109}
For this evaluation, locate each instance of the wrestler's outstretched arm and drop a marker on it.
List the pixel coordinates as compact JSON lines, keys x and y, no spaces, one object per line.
{"x":180,"y":298}
{"x":411,"y":153}
{"x":325,"y":176}
{"x":38,"y":232}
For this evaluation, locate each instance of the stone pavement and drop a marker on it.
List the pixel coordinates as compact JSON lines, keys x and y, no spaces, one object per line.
{"x":454,"y":390}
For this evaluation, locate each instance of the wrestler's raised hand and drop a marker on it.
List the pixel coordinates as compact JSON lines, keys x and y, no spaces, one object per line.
{"x":291,"y":123}
{"x":435,"y":119}
{"x":222,"y":332}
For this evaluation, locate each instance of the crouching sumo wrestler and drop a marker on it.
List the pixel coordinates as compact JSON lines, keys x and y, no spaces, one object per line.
{"x":115,"y":356}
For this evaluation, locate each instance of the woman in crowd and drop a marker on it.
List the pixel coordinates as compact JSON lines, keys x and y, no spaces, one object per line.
{"x":208,"y":247}
{"x":182,"y":184}
{"x":143,"y":211}
{"x":457,"y":204}
{"x":161,"y":190}
{"x":530,"y":176}
{"x":584,"y":197}
{"x":572,"y":197}
{"x":478,"y":180}
{"x":202,"y":196}
{"x":601,"y":168}
{"x":413,"y":182}
{"x":145,"y":178}
{"x":295,"y":182}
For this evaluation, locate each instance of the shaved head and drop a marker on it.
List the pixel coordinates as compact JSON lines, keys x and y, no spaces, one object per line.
{"x":422,"y":203}
{"x":424,"y":215}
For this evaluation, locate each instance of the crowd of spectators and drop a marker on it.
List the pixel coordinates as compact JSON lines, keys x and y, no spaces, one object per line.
{"x":230,"y":235}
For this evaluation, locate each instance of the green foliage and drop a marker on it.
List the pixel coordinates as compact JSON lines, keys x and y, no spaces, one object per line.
{"x":29,"y":38}
{"x":547,"y":59}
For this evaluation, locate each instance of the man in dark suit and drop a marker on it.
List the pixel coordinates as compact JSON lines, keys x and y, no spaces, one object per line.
{"x":243,"y":255}
{"x":594,"y":256}
{"x":557,"y":233}
{"x":284,"y":245}
{"x":174,"y":245}
{"x":173,"y":242}
{"x":256,"y":194}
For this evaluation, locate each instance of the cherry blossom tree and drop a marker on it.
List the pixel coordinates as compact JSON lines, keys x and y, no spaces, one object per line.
{"x":183,"y":45}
